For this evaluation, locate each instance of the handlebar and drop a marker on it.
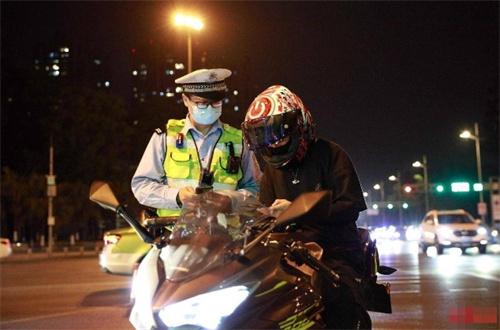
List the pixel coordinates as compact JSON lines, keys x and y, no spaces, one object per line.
{"x":299,"y":254}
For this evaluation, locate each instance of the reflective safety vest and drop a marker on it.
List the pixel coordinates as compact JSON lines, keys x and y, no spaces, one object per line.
{"x":183,"y":166}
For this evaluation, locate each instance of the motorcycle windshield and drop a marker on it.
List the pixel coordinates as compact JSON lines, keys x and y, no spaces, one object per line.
{"x":204,"y":235}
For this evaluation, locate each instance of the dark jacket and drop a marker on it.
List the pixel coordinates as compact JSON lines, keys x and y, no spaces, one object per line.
{"x":326,"y":166}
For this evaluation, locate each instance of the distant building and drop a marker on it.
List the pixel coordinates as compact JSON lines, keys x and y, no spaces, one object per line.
{"x":154,"y":68}
{"x":76,"y":65}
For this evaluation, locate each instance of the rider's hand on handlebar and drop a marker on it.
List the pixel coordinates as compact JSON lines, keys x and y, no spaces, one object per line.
{"x":278,"y":206}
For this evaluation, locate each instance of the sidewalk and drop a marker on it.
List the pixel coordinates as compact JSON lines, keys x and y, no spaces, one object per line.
{"x":24,"y":252}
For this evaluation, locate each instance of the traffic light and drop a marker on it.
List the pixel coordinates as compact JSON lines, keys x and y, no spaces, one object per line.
{"x":407,"y":189}
{"x":440,"y":188}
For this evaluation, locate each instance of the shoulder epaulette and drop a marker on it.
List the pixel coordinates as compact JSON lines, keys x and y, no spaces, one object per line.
{"x":158,"y":131}
{"x":176,"y":122}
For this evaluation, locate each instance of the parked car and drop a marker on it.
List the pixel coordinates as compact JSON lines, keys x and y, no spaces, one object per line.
{"x":122,"y":251}
{"x":5,"y":247}
{"x":452,"y":228}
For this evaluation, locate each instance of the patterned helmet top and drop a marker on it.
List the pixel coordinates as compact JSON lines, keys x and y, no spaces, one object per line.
{"x":275,"y":100}
{"x":266,"y":122}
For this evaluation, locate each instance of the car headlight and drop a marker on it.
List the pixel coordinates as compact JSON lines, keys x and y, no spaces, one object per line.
{"x":205,"y":310}
{"x":482,"y":231}
{"x":111,"y":239}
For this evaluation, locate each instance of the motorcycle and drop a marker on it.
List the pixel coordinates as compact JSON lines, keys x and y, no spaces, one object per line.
{"x":214,"y":268}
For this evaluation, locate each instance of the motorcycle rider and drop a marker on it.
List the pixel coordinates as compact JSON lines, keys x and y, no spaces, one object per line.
{"x":197,"y":150}
{"x":280,"y":128}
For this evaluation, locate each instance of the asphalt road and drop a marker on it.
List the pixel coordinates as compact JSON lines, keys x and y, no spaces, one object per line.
{"x":428,"y":292}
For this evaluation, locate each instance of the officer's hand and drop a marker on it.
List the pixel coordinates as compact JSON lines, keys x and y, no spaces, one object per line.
{"x":278,"y":206}
{"x":185,"y":194}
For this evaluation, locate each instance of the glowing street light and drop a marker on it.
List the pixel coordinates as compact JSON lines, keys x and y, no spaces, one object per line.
{"x":190,"y":22}
{"x":469,"y":136}
{"x":397,"y":179}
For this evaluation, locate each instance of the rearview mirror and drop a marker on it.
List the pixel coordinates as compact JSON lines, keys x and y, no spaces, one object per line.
{"x":101,"y":193}
{"x":313,"y":204}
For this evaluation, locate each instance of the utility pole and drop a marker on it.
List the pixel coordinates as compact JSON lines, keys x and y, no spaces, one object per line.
{"x":479,"y":171}
{"x":51,"y":193}
{"x":426,"y":182}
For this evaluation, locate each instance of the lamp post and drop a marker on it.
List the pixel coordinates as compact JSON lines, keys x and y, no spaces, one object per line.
{"x":397,"y":178}
{"x":380,"y":186}
{"x":51,"y":193}
{"x":468,"y":135}
{"x":191,"y":23}
{"x":423,"y":165}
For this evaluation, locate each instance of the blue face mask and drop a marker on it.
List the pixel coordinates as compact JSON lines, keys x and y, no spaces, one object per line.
{"x":206,"y":116}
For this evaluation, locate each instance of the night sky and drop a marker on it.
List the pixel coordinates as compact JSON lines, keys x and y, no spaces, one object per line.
{"x":389,"y":81}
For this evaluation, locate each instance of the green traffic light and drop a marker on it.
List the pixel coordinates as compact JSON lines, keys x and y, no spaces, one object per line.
{"x":440,"y":188}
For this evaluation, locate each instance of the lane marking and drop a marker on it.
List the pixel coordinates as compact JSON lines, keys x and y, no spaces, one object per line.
{"x":467,"y":289}
{"x":483,"y":276}
{"x":404,"y":291}
{"x":404,"y":281}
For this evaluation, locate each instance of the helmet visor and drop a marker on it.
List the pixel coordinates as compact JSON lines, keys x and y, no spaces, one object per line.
{"x":264,"y":131}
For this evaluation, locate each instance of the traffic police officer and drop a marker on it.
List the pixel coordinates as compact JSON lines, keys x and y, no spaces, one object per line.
{"x":198,"y":151}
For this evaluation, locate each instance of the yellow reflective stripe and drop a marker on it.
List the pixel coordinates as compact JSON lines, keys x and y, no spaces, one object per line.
{"x":182,"y":165}
{"x":276,"y":287}
{"x":168,"y":212}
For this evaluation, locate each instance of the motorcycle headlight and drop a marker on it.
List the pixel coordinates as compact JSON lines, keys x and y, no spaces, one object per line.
{"x":205,"y":310}
{"x":482,"y":231}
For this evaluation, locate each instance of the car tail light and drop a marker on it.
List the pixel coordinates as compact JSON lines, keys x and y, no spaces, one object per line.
{"x":111,"y":239}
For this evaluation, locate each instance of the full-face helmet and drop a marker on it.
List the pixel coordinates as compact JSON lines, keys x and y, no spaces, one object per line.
{"x":278,"y":126}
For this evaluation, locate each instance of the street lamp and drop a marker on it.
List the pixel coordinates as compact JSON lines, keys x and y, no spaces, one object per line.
{"x":397,"y":178}
{"x":191,"y":23}
{"x":423,"y":165}
{"x":380,"y":186}
{"x":468,"y":135}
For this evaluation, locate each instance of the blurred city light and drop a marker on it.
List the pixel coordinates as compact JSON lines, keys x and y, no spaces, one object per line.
{"x":465,"y":134}
{"x":439,"y":188}
{"x":407,"y":189}
{"x":460,"y":187}
{"x":417,"y":164}
{"x":405,"y":205}
{"x":190,"y":21}
{"x":376,"y":187}
{"x":477,"y":187}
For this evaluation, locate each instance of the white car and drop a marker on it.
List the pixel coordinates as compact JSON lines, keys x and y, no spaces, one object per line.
{"x":452,"y":228}
{"x":5,"y":247}
{"x":122,"y":252}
